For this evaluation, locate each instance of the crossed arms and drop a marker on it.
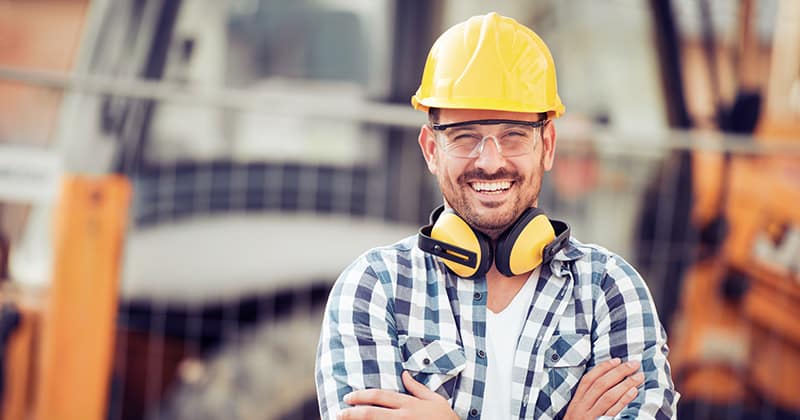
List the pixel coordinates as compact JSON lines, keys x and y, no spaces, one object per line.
{"x":361,"y":360}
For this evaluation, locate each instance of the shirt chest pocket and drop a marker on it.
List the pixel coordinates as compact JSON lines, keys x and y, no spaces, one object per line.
{"x":568,"y":350}
{"x":435,"y":363}
{"x":565,"y":363}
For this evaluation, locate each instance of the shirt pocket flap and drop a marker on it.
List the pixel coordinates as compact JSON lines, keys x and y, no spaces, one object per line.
{"x":433,"y":356}
{"x":568,"y":350}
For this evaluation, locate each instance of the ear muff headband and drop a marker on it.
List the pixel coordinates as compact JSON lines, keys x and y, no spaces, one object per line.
{"x":521,"y":248}
{"x":462,"y":249}
{"x":561,"y":240}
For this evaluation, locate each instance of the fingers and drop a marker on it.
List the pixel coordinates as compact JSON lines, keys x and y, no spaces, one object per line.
{"x":598,"y":371}
{"x":619,"y":395}
{"x":364,"y":412}
{"x":606,"y":389}
{"x":384,"y":404}
{"x":610,"y":379}
{"x":626,"y":398}
{"x":417,"y":389}
{"x":379,"y":397}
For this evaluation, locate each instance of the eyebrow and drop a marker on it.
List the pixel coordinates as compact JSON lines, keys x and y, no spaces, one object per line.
{"x":462,"y":128}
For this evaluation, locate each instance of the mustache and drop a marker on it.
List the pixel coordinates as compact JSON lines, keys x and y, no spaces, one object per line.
{"x":484,"y":176}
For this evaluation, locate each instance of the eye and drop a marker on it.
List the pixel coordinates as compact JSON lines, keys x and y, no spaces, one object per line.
{"x":516,"y":134}
{"x":466,"y":137}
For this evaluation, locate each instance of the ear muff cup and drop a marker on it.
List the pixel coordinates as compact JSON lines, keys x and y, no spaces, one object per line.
{"x":521,"y":247}
{"x":451,"y":229}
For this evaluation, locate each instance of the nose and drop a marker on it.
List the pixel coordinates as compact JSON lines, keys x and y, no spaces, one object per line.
{"x":489,"y":157}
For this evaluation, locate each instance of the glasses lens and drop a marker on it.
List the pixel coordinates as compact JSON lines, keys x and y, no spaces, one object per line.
{"x":462,"y":143}
{"x":517,"y":141}
{"x":512,"y":140}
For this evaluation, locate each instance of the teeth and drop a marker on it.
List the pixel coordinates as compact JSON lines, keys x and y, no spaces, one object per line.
{"x":491,"y":186}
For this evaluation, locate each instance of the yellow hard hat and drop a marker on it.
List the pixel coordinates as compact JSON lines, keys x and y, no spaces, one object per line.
{"x":489,"y":62}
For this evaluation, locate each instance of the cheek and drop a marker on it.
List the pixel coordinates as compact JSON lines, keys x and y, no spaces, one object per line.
{"x":450,"y":170}
{"x":529,"y":169}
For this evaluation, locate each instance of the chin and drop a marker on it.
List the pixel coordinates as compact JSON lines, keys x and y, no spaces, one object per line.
{"x":497,"y":223}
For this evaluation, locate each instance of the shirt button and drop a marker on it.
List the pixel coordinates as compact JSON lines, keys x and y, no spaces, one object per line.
{"x":473,"y":412}
{"x":426,"y":361}
{"x":481,"y":354}
{"x":477,"y":296}
{"x":554,"y":357}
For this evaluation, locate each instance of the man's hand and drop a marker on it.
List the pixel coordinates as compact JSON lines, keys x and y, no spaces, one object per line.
{"x":605,"y":390}
{"x":371,"y":404}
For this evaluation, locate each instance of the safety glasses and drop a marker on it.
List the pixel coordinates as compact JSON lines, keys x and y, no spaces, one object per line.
{"x":464,"y":139}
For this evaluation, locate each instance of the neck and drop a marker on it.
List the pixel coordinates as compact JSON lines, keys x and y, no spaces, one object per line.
{"x":502,"y":289}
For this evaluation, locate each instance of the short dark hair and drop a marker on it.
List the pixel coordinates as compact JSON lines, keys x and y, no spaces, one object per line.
{"x":433,"y":115}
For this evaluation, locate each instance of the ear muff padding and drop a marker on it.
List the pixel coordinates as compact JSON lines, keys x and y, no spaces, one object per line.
{"x":520,"y":248}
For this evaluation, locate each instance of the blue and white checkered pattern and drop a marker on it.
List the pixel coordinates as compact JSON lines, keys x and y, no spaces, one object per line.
{"x":397,"y":308}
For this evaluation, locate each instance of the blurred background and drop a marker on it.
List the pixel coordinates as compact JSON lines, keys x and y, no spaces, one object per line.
{"x":182,"y":181}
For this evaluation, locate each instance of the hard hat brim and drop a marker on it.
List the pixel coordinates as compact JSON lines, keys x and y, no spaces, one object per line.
{"x":553,"y":110}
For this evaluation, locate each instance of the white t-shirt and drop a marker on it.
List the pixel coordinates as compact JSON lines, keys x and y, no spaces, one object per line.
{"x":502,"y":332}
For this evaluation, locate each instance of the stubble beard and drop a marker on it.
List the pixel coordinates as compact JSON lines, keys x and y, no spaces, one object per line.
{"x":456,"y":195}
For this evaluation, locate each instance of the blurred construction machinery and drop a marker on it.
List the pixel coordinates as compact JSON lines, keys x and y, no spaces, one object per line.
{"x":58,"y":344}
{"x":734,"y":255}
{"x":735,"y":338}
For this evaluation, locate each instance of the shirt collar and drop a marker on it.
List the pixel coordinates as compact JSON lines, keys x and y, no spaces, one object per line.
{"x":569,"y":252}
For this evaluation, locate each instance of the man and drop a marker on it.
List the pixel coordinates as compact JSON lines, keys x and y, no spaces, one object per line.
{"x":493,"y":311}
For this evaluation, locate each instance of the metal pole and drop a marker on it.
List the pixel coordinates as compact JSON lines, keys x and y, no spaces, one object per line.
{"x":308,"y":103}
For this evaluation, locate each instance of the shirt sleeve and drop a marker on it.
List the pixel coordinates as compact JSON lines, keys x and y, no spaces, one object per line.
{"x":358,"y":341}
{"x":627,"y":327}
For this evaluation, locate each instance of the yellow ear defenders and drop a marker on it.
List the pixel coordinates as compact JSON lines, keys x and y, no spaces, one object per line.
{"x":466,"y":251}
{"x":530,"y":241}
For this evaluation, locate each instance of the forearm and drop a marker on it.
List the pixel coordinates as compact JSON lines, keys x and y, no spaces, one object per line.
{"x":346,"y":363}
{"x":657,"y":398}
{"x":628,"y":327}
{"x":358,"y":343}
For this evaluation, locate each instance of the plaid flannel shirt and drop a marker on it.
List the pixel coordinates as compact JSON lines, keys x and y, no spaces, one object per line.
{"x":397,"y":308}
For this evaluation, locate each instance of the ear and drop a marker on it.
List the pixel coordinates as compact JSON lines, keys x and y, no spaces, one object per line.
{"x":548,"y":145}
{"x":427,"y":142}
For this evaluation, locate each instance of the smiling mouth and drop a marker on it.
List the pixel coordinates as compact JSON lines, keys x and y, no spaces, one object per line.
{"x":495,"y":187}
